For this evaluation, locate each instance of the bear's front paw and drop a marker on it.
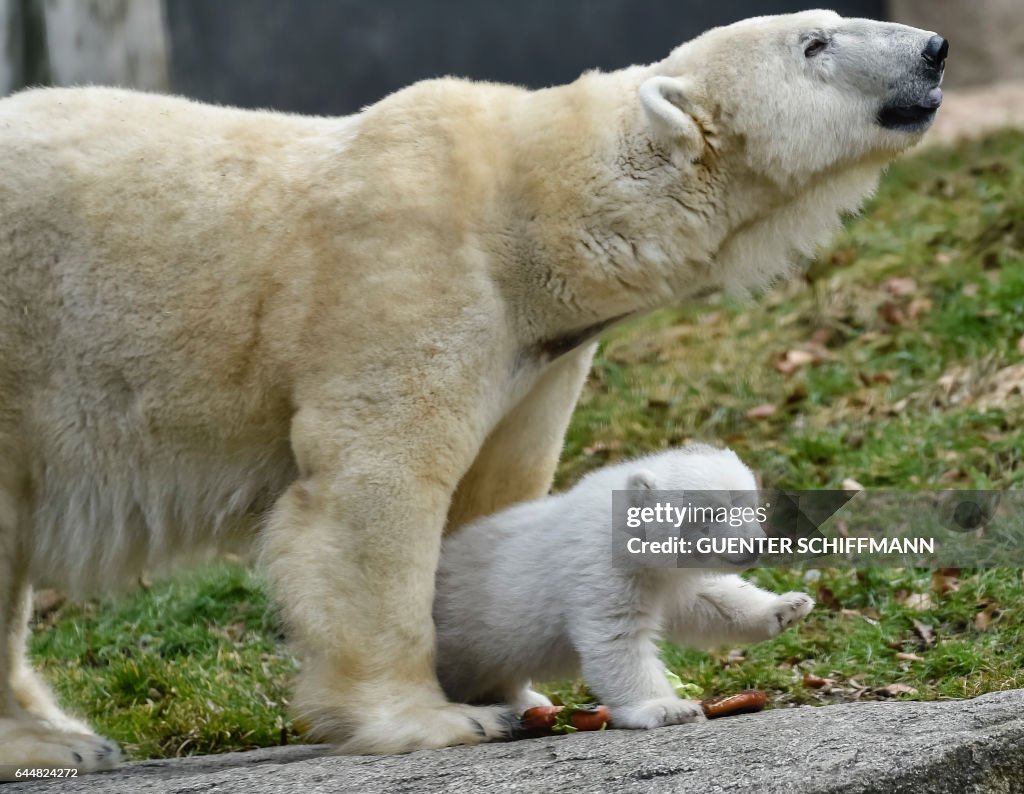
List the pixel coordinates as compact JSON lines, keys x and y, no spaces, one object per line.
{"x":34,"y":743}
{"x":789,"y":608}
{"x":656,"y":713}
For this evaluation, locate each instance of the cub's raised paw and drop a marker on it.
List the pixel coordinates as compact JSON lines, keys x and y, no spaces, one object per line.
{"x":790,"y":608}
{"x":657,"y":713}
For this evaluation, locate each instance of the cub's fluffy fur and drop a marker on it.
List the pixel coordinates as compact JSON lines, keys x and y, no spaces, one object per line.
{"x":362,"y":330}
{"x":531,"y":593}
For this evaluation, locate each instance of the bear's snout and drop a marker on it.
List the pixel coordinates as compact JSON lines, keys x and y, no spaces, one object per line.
{"x":936,"y":51}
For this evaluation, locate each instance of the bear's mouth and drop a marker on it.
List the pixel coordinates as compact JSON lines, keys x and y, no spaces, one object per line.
{"x":911,"y":118}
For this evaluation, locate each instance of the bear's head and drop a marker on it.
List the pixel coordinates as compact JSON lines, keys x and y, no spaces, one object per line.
{"x":798,"y":94}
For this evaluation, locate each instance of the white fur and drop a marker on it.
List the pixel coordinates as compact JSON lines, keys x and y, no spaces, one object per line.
{"x":531,"y":593}
{"x":366,"y":330}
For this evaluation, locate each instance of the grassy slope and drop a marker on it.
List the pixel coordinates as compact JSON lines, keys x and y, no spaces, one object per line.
{"x":908,"y":388}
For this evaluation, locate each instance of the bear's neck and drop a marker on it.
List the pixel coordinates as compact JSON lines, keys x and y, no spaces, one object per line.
{"x":613,"y":227}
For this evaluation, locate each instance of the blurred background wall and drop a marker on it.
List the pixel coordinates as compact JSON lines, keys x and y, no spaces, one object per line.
{"x":334,"y":56}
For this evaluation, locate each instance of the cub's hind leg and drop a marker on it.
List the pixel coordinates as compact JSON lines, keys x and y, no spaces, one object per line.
{"x":34,"y":732}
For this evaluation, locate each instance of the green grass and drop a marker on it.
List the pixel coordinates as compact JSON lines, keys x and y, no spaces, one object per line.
{"x":192,"y":666}
{"x":909,"y":389}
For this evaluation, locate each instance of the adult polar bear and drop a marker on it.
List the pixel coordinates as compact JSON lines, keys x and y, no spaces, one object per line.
{"x":376,"y":324}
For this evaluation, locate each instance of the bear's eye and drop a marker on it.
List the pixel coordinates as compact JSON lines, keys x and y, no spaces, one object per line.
{"x":814,"y":46}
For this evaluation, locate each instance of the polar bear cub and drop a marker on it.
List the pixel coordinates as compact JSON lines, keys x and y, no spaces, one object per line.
{"x":531,"y":593}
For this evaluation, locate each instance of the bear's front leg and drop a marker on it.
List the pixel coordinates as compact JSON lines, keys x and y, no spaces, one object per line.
{"x":728,"y":610}
{"x":351,"y":552}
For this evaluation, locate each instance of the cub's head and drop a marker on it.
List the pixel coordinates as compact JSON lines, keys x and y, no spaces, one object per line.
{"x":712,"y":495}
{"x":799,"y":94}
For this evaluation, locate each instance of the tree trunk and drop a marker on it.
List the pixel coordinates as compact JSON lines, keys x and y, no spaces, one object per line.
{"x":107,"y":42}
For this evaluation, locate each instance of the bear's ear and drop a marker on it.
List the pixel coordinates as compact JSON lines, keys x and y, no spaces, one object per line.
{"x":669,"y":112}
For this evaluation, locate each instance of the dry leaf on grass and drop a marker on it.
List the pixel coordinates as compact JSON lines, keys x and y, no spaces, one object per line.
{"x":892,"y":313}
{"x":827,"y":599}
{"x":953,"y":475}
{"x":893,"y":690}
{"x":925,"y":632}
{"x":918,"y":307}
{"x":909,"y":657}
{"x":763,"y":411}
{"x":919,"y":602}
{"x":943,"y":584}
{"x":792,"y":360}
{"x":1007,"y":385}
{"x":812,"y":352}
{"x":985,"y":617}
{"x":901,"y":286}
{"x":602,"y":447}
{"x":875,"y":377}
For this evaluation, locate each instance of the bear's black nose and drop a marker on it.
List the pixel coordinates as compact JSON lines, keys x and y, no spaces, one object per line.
{"x":935,"y":52}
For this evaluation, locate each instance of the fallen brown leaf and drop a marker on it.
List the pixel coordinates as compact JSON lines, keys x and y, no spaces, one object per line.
{"x":918,"y":307}
{"x":900,"y":286}
{"x":919,"y":602}
{"x":813,"y":681}
{"x":792,"y":360}
{"x":893,"y":690}
{"x":985,"y":617}
{"x":822,"y":336}
{"x":827,"y":599}
{"x":875,"y":377}
{"x":925,"y":632}
{"x":943,"y":584}
{"x":952,"y":475}
{"x":762,"y":411}
{"x":799,"y":394}
{"x":892,"y":313}
{"x":602,"y":447}
{"x":909,"y":657}
{"x":1007,"y":385}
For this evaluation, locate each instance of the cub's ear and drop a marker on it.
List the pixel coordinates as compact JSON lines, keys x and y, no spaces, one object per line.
{"x":640,"y":484}
{"x":669,"y":111}
{"x":642,"y":480}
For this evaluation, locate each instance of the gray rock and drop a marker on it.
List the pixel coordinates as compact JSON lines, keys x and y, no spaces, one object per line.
{"x":951,"y":746}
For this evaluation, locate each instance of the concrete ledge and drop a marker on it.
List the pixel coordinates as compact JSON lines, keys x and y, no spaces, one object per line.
{"x":951,"y":746}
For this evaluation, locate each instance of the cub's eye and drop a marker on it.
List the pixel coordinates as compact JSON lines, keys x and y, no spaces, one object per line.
{"x":814,"y":46}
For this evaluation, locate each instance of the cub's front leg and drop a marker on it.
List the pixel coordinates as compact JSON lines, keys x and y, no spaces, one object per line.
{"x":623,"y":668}
{"x":728,"y":610}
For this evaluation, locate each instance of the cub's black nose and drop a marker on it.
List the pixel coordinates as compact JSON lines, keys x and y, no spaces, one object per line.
{"x":935,"y":52}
